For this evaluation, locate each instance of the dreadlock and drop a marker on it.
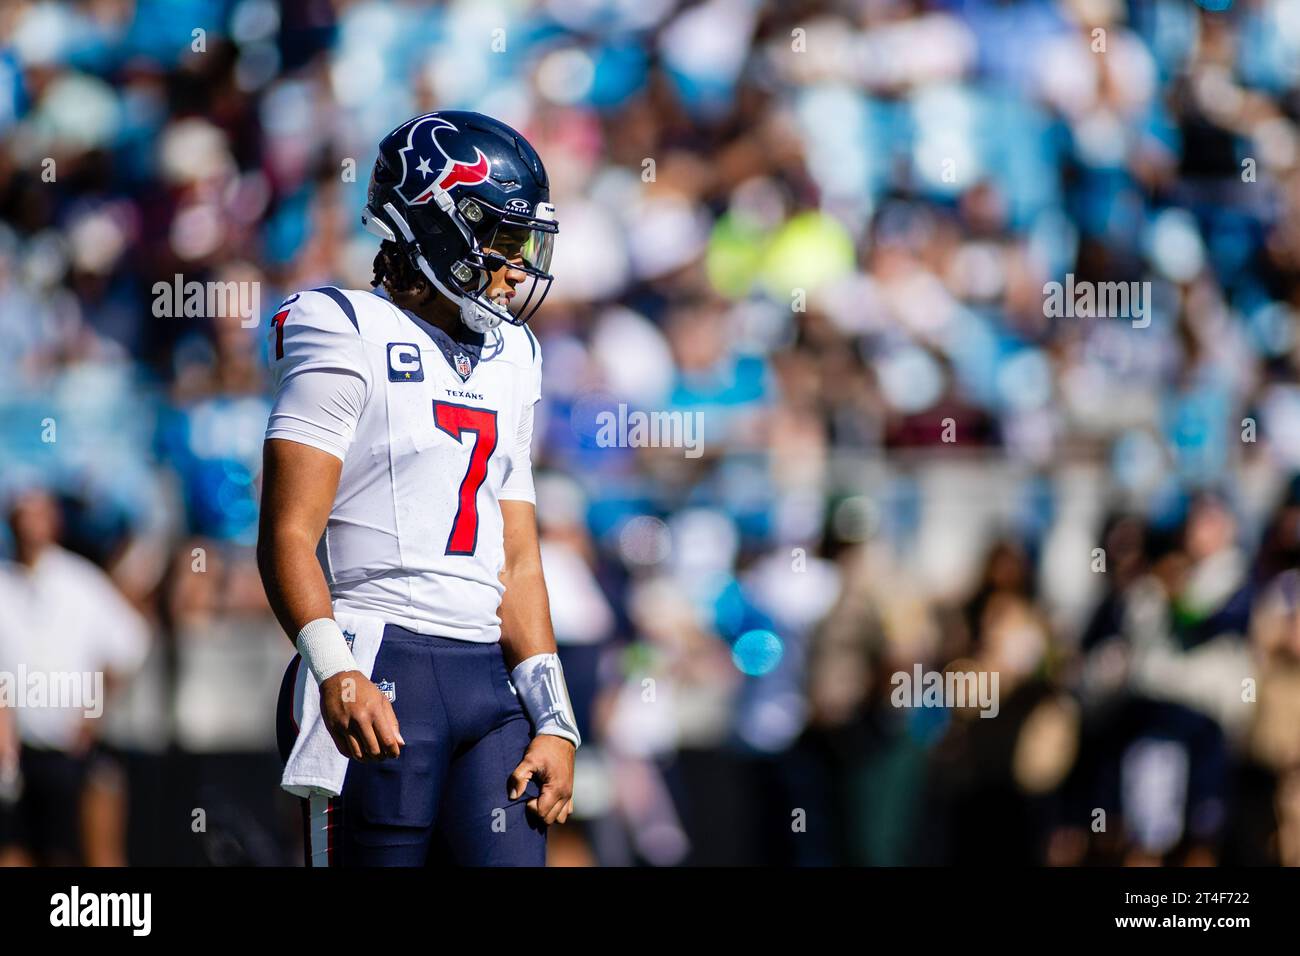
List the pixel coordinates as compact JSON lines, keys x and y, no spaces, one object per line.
{"x":398,"y":275}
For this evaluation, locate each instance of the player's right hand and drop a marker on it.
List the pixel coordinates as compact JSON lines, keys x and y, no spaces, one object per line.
{"x":359,"y":717}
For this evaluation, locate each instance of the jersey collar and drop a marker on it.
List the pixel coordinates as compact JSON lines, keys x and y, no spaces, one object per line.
{"x":462,"y":351}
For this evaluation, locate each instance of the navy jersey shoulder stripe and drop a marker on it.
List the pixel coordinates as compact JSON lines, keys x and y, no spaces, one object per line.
{"x":343,"y":302}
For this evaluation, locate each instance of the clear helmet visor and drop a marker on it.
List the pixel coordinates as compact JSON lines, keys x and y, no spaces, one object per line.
{"x":516,"y":262}
{"x":520,"y":245}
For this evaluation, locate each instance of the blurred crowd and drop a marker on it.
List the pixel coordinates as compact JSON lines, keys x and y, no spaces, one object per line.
{"x":825,"y":226}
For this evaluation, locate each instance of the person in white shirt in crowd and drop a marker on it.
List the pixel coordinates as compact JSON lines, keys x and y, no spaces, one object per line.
{"x":67,"y":637}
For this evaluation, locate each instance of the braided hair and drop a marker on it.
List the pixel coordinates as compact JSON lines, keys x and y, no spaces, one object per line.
{"x":398,"y":275}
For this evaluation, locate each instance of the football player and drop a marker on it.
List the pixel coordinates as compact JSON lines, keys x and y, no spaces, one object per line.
{"x":397,"y":485}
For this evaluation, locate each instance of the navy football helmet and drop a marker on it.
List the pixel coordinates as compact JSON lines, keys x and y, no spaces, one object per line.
{"x":463,"y":196}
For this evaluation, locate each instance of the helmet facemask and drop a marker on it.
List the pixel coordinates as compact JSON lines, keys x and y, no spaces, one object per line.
{"x":504,"y":275}
{"x":486,"y":241}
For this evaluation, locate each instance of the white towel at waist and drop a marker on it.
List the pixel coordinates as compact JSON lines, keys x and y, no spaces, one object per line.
{"x":315,"y":765}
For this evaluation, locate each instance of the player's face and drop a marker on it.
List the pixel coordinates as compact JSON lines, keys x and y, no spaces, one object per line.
{"x":509,"y":245}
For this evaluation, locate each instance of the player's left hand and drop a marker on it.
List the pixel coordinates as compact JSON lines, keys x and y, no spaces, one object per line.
{"x":550,"y":760}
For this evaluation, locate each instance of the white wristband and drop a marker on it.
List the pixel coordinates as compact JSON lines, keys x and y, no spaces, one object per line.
{"x":539,"y":681}
{"x":323,"y":646}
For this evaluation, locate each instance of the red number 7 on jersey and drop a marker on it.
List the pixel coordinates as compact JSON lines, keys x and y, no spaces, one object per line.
{"x":455,"y":420}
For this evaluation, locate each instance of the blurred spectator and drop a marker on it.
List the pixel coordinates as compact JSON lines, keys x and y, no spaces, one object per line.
{"x":67,"y":639}
{"x":825,"y":230}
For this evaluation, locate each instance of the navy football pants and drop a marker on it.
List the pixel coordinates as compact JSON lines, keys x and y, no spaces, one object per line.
{"x":444,"y":800}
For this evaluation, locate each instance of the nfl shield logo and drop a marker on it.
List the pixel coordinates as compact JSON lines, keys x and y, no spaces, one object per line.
{"x":389,"y":689}
{"x":349,"y":636}
{"x":462,"y":364}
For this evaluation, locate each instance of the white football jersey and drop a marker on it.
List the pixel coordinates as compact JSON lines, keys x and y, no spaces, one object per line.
{"x":433,"y":433}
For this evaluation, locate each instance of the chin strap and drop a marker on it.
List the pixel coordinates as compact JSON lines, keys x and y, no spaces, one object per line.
{"x":478,"y":317}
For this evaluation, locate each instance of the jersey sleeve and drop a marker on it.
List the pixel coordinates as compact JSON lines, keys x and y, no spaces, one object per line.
{"x":518,"y":485}
{"x":536,"y":390}
{"x":319,"y":407}
{"x":321,"y":374}
{"x":317,"y":330}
